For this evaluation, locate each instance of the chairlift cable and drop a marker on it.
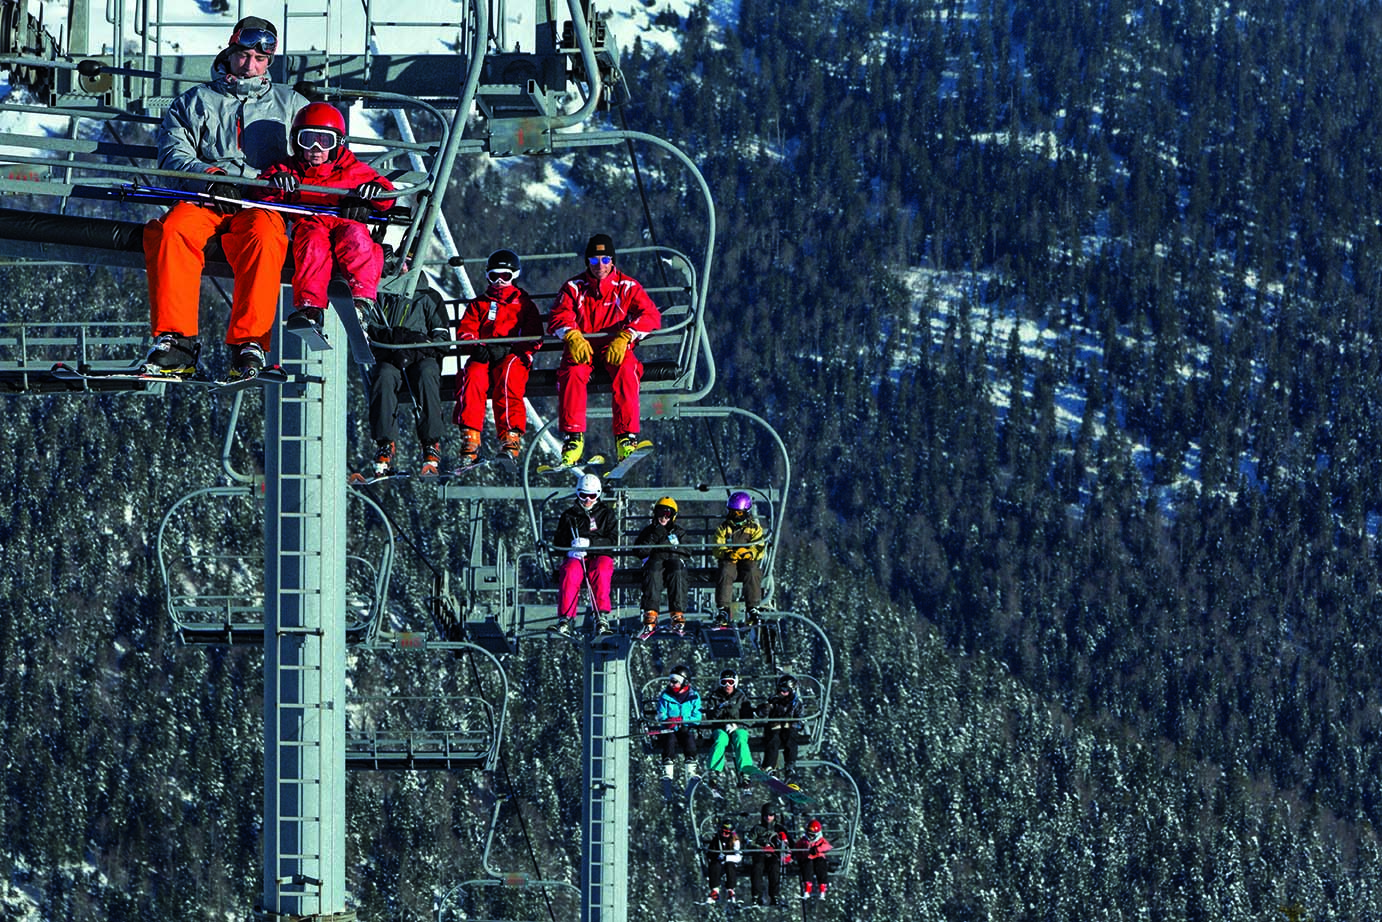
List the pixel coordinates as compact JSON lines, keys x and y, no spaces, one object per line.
{"x":509,"y":787}
{"x":642,"y":188}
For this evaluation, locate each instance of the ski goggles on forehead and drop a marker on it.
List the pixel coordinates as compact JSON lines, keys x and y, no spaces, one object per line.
{"x":261,"y":40}
{"x":309,"y":138}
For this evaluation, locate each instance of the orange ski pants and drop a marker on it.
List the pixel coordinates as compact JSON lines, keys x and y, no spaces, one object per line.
{"x":255,"y":241}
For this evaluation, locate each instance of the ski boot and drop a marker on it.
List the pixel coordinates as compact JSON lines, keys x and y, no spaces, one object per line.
{"x":714,"y":896}
{"x":431,"y":460}
{"x":679,"y":623}
{"x":173,"y":355}
{"x":602,"y":628}
{"x":625,"y":445}
{"x":755,"y":616}
{"x":246,"y":361}
{"x":722,"y":618}
{"x":304,"y":318}
{"x":572,"y":448}
{"x":563,"y":627}
{"x":365,"y":310}
{"x":383,"y":458}
{"x":470,"y":448}
{"x":745,"y":785}
{"x":649,"y":625}
{"x":820,"y":892}
{"x":511,"y":443}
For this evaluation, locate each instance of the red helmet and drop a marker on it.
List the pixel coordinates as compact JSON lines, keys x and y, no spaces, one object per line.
{"x":813,"y":827}
{"x":317,"y":117}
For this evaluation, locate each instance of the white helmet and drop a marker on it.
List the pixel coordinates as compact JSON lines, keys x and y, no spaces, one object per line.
{"x":588,"y":484}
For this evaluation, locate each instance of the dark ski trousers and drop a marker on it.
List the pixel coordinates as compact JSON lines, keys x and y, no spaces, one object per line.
{"x":683,"y":739}
{"x":769,"y":867}
{"x":775,"y":740}
{"x":745,"y":571}
{"x":718,"y":866}
{"x":671,"y":572}
{"x":423,"y":377}
{"x":814,"y":869}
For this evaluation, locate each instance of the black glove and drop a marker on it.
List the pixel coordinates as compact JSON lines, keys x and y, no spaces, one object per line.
{"x":353,"y":209}
{"x":484,"y":353}
{"x":369,"y":191}
{"x":521,"y":351}
{"x":224,"y":190}
{"x":285,"y":182}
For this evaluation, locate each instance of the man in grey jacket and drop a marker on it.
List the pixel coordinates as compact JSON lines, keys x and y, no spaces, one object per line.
{"x":234,"y":125}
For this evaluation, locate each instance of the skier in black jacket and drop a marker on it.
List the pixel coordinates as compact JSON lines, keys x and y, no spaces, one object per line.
{"x":425,"y":321}
{"x":726,"y":706}
{"x":588,"y":529}
{"x":783,"y":712}
{"x":661,"y":545}
{"x":770,"y":851}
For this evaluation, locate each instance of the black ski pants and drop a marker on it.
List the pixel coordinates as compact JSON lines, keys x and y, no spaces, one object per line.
{"x":423,"y":378}
{"x":777,"y":740}
{"x":766,"y":868}
{"x":669,"y":571}
{"x":717,"y":866}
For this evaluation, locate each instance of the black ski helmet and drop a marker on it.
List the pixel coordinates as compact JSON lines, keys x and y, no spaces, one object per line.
{"x":504,"y":259}
{"x":768,"y":812}
{"x":787,"y":683}
{"x":680,"y":673}
{"x":729,"y":675}
{"x":726,"y":829}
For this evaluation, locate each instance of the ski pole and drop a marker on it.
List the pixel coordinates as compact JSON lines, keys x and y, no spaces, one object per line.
{"x":156,"y":194}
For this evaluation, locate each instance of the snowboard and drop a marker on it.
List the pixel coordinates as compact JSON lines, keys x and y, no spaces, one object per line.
{"x":270,"y":374}
{"x":792,"y":792}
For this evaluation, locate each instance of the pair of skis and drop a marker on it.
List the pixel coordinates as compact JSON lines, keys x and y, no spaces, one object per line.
{"x":361,"y":479}
{"x":641,"y":451}
{"x":272,"y":374}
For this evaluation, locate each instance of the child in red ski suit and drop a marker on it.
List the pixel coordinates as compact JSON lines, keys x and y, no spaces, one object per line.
{"x":497,"y":371}
{"x":324,"y":243}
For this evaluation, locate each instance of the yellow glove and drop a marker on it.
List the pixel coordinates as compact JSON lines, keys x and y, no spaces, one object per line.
{"x":614,"y":352}
{"x":578,"y":349}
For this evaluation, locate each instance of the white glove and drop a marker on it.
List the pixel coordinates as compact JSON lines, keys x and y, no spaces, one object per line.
{"x":672,"y":539}
{"x":730,"y":728}
{"x":578,"y":543}
{"x":734,"y":858}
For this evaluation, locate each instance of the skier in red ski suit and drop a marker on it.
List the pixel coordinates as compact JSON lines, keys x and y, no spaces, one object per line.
{"x":497,"y":371}
{"x":604,"y":302}
{"x":325,"y":243}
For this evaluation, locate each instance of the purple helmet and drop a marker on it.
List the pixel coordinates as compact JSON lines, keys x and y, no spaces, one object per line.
{"x":739,"y":501}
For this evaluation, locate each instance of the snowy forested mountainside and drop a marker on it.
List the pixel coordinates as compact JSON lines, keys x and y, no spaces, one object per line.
{"x":1066,"y":312}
